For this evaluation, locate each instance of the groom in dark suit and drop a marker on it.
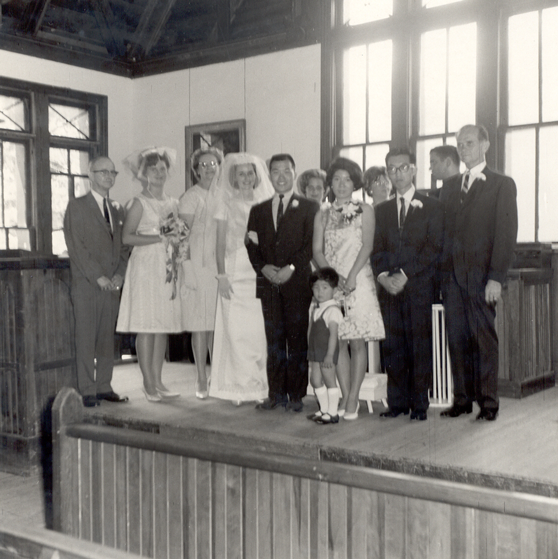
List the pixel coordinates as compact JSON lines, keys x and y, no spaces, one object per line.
{"x":93,"y":231}
{"x":480,"y":217}
{"x":407,"y":246}
{"x":279,"y":243}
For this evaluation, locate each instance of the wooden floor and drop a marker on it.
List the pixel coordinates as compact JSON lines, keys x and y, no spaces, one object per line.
{"x":518,"y":452}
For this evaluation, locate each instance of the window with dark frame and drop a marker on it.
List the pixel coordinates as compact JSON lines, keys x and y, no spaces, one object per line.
{"x":449,"y":63}
{"x":47,"y":137}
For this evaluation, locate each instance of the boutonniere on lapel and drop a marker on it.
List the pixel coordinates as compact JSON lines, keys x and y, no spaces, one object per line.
{"x":480,"y":176}
{"x":294,"y":203}
{"x":349,"y":211}
{"x":416,"y":204}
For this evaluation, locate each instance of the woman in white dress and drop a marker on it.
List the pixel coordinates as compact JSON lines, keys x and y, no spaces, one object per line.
{"x":199,"y":286}
{"x":240,"y":349}
{"x":147,"y":307}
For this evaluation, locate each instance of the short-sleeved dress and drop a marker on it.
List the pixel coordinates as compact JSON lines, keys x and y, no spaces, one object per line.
{"x":198,"y":291}
{"x":342,"y":243}
{"x":146,"y":305}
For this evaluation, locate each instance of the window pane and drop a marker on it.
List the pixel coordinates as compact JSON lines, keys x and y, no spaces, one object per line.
{"x":379,"y":91}
{"x":462,"y":70}
{"x":520,"y":164}
{"x":548,"y":193}
{"x":68,"y":122}
{"x":352,"y":153}
{"x":81,"y":186}
{"x":58,"y":243}
{"x":13,"y":184}
{"x":354,"y":95}
{"x":356,"y":12}
{"x":19,"y":239}
{"x":523,"y":69}
{"x":59,"y":185}
{"x":79,"y":162}
{"x":549,"y":65}
{"x":58,"y":160}
{"x":435,"y":3}
{"x":13,"y":113}
{"x":432,"y":108}
{"x":376,"y":155}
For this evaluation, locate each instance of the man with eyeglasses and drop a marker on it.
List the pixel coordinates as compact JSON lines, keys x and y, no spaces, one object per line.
{"x":92,"y":228}
{"x":407,"y":245}
{"x":480,"y":220}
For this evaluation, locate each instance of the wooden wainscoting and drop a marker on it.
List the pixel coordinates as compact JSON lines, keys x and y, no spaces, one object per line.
{"x":166,"y":497}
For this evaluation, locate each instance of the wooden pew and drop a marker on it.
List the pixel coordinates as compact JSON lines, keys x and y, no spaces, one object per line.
{"x":159,"y":496}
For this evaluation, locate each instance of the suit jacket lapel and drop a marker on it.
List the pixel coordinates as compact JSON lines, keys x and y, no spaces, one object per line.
{"x":96,"y":211}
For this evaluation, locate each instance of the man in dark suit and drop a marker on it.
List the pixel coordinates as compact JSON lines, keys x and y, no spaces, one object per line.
{"x":407,"y":246}
{"x":92,"y":228}
{"x":279,"y":242}
{"x":480,"y":219}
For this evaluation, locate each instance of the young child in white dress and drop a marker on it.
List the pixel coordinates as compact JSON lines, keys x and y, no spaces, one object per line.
{"x":323,"y":344}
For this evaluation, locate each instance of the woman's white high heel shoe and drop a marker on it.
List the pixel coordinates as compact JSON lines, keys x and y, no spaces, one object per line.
{"x":351,"y":416}
{"x":167,"y":394}
{"x":153,"y":398}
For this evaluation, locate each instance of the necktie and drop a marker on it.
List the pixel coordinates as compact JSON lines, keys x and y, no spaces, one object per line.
{"x":106,"y":212}
{"x":280,"y":209}
{"x":402,"y":213}
{"x":465,"y":186}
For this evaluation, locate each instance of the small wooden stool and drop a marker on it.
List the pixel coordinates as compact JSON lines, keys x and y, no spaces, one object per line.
{"x":373,"y":389}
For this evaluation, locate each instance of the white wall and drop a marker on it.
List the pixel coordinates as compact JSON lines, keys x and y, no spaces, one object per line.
{"x":278,"y":94}
{"x":118,"y":90}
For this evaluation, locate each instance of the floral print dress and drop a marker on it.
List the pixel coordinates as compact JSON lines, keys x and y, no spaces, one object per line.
{"x":342,"y":243}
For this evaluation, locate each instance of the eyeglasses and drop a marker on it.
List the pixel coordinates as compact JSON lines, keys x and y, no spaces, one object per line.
{"x":105,"y":173}
{"x":207,"y":164}
{"x":392,"y":169}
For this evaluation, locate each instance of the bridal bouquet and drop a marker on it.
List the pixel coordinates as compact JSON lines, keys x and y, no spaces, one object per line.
{"x":175,"y":234}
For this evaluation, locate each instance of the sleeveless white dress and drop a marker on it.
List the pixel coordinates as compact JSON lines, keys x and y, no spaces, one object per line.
{"x":238,"y":370}
{"x":146,"y":305}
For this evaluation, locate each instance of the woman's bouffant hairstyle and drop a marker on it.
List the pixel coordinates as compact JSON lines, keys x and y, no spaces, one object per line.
{"x":326,"y":274}
{"x":342,"y":163}
{"x":304,"y":179}
{"x":195,"y":159}
{"x":153,"y":158}
{"x":374,"y":173}
{"x":232,"y":174}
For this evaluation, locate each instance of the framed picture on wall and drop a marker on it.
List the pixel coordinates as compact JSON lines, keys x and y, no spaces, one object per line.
{"x":229,"y":136}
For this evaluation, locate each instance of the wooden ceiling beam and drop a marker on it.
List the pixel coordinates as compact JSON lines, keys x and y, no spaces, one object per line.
{"x":150,"y":27}
{"x":107,"y":22}
{"x":33,"y":16}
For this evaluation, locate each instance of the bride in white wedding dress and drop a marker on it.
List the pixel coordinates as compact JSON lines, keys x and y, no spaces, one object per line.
{"x":238,"y":369}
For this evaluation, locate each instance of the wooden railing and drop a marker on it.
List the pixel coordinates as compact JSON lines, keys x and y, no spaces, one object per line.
{"x":166,"y":497}
{"x":32,"y":543}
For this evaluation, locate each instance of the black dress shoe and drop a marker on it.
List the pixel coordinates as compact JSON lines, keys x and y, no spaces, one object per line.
{"x":327,"y":419}
{"x":456,"y":410}
{"x":487,"y":415}
{"x":418,"y":416}
{"x":112,"y":397}
{"x":314,"y":416}
{"x":268,"y":404}
{"x":295,"y":405}
{"x":395,"y":412}
{"x":90,"y":401}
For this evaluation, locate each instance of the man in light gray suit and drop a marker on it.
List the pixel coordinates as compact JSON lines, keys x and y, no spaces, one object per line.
{"x":92,"y":228}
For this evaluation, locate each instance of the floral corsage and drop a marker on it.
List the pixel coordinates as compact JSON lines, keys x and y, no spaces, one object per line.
{"x":416,"y":203}
{"x":175,"y":234}
{"x":349,"y":211}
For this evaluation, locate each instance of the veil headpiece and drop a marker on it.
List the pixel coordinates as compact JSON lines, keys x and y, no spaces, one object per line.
{"x":135,"y":162}
{"x":222,"y":187}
